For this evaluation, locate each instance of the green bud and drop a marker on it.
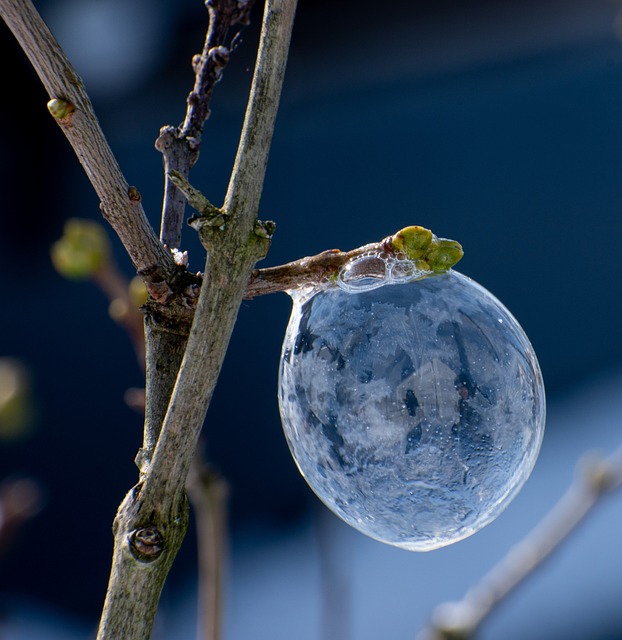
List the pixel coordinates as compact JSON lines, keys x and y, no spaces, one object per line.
{"x":60,"y":108}
{"x":443,"y":254}
{"x":413,"y":241}
{"x":82,"y":251}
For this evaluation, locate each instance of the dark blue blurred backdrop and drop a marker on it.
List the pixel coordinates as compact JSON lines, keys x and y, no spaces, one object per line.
{"x":496,"y":123}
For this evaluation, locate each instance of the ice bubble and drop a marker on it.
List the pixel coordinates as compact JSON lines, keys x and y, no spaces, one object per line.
{"x":414,"y":411}
{"x":372,"y":270}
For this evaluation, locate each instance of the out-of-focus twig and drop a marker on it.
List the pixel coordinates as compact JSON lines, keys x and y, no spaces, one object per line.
{"x":335,"y":589}
{"x":595,"y":479}
{"x":123,"y":308}
{"x":84,"y":252}
{"x":20,"y":500}
{"x":208,"y":493}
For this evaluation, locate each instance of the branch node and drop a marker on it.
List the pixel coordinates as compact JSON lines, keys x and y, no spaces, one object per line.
{"x":166,"y":139}
{"x":194,"y":142}
{"x":143,"y":459}
{"x":159,"y":290}
{"x":209,"y":214}
{"x":146,"y":544}
{"x":220,"y":57}
{"x":180,"y":258}
{"x":265,"y":229}
{"x":134,"y":194}
{"x":192,"y":291}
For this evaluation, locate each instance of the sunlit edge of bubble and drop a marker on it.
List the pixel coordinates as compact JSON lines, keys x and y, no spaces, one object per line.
{"x":397,"y":272}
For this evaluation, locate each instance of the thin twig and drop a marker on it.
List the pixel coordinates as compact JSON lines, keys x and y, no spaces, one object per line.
{"x":311,"y":271}
{"x":435,"y":255}
{"x":461,"y":620}
{"x":419,"y":246}
{"x":180,"y":145}
{"x":20,"y":500}
{"x":72,"y":109}
{"x":208,"y":493}
{"x":208,"y":67}
{"x":122,"y":308}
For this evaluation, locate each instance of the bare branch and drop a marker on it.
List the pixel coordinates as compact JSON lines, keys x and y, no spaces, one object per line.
{"x":312,"y":271}
{"x":209,"y":65}
{"x":461,"y":620}
{"x":428,"y":254}
{"x":230,"y":253}
{"x":152,"y":519}
{"x":180,"y":146}
{"x":72,"y":109}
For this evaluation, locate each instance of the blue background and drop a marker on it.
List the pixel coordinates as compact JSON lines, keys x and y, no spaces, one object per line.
{"x":495,"y":123}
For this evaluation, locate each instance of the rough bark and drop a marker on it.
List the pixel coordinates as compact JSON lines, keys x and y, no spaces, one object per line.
{"x":152,"y":519}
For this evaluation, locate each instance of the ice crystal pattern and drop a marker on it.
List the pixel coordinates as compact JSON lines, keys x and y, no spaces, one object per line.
{"x":414,"y":411}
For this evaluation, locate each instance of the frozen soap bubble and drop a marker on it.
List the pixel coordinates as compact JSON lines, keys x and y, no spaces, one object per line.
{"x":415,"y":411}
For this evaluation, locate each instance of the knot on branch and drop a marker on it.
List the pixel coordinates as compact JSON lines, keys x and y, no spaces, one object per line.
{"x":158,"y":288}
{"x":209,"y":215}
{"x":146,"y":544}
{"x":166,"y":139}
{"x":219,"y":57}
{"x":134,"y":194}
{"x":264,"y":229}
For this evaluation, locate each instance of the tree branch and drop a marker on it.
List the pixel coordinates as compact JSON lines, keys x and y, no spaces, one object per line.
{"x":72,"y":109}
{"x":428,"y":253}
{"x":209,"y":65}
{"x":417,"y":245}
{"x":231,"y":254}
{"x":461,"y":620}
{"x":311,"y":271}
{"x":180,"y":145}
{"x":151,"y":521}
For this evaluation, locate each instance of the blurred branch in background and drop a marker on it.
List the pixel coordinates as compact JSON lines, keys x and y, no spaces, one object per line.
{"x":84,"y":253}
{"x":209,"y":495}
{"x":20,"y":500}
{"x":336,"y":589}
{"x":595,"y":479}
{"x":16,"y":403}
